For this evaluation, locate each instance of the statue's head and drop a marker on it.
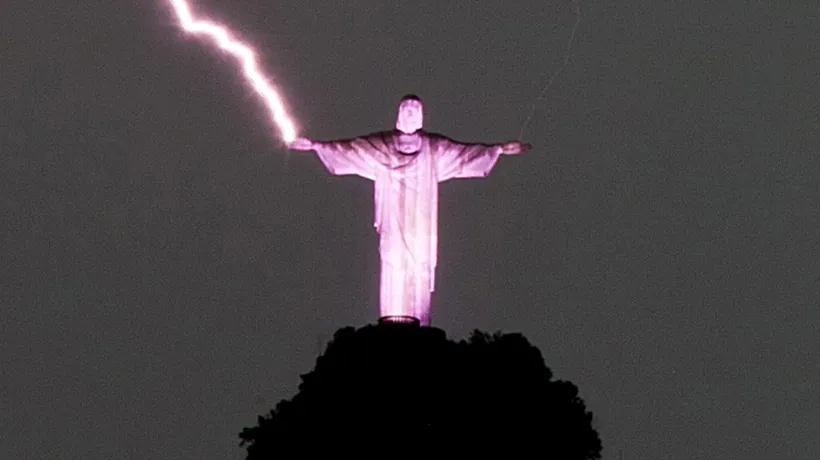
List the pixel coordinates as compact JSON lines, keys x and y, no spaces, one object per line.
{"x":411,"y":114}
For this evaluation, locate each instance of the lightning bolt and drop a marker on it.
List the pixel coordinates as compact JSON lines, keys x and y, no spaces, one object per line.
{"x":223,"y":38}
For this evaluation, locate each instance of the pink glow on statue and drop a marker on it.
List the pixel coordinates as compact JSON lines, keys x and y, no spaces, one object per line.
{"x":411,"y":115}
{"x":222,"y":37}
{"x":406,"y":166}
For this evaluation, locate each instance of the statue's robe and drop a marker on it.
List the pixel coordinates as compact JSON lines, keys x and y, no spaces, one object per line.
{"x":406,"y":205}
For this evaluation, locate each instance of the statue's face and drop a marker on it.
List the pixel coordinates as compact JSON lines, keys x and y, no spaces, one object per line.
{"x":411,"y":116}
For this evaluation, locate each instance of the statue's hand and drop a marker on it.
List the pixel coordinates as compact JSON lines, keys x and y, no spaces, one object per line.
{"x":514,"y":148}
{"x":301,"y":143}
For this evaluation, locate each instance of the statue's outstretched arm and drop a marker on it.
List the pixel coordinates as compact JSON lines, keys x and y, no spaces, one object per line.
{"x":357,"y":156}
{"x":456,"y":160}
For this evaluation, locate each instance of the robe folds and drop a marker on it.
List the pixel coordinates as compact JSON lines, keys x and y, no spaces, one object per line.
{"x":406,"y":205}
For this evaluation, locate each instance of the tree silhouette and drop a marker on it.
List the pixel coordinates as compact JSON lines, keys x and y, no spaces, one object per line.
{"x":411,"y":390}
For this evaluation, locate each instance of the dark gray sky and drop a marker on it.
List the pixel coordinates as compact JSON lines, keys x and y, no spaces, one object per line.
{"x":168,"y":270}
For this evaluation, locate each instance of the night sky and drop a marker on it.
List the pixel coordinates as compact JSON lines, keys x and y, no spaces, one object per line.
{"x":169,"y":269}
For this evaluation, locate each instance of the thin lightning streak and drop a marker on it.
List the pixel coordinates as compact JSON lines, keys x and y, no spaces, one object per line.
{"x":555,"y":74}
{"x":222,"y":37}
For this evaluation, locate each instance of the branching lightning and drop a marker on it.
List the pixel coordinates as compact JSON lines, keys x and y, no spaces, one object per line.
{"x":222,"y":37}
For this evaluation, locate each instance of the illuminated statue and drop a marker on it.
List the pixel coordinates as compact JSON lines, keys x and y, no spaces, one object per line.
{"x":406,"y":165}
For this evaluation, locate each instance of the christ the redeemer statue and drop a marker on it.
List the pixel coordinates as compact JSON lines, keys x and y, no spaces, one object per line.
{"x":406,"y":166}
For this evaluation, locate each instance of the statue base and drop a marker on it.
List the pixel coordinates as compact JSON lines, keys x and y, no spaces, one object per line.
{"x":408,"y":320}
